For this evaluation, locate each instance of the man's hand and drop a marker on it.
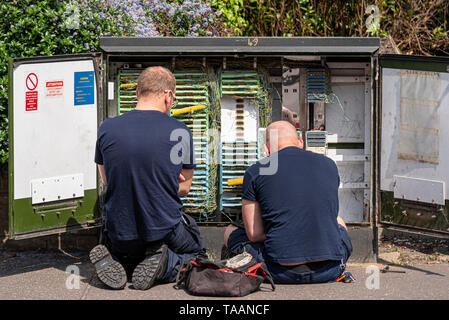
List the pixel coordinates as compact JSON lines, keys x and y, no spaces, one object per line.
{"x":252,"y":218}
{"x":181,"y":178}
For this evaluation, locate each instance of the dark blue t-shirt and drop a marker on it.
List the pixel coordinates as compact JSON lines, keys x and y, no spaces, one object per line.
{"x":142,"y":153}
{"x":299,"y":205}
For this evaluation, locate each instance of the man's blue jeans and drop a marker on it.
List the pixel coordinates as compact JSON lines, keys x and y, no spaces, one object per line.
{"x":327,"y":271}
{"x":184,"y":242}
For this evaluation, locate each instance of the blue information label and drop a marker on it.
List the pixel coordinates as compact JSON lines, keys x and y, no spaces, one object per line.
{"x":84,"y":88}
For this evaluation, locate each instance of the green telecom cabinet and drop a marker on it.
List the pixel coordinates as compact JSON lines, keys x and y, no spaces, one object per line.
{"x":383,"y":119}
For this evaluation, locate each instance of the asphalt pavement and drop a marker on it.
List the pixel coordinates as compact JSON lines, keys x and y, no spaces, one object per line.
{"x":53,"y":276}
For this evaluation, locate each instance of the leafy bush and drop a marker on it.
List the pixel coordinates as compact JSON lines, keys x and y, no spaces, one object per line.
{"x":233,"y":14}
{"x":417,"y":27}
{"x":49,"y":27}
{"x":41,"y":28}
{"x":32,"y":28}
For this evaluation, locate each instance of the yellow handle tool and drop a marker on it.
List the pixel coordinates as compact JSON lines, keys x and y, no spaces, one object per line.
{"x":127,"y":85}
{"x":188,"y":109}
{"x":234,"y":182}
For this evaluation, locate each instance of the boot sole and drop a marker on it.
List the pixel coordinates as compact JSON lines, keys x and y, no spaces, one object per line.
{"x":144,"y":274}
{"x":109,"y":271}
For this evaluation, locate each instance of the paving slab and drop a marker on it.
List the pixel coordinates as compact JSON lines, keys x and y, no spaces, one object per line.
{"x":28,"y":275}
{"x":46,"y":276}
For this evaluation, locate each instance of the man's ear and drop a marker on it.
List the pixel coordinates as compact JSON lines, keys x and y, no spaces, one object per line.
{"x":167,"y":103}
{"x":301,"y":143}
{"x":137,"y":92}
{"x":267,"y":149}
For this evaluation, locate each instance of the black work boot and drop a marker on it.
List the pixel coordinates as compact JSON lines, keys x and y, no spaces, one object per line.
{"x":152,"y":268}
{"x":109,"y":271}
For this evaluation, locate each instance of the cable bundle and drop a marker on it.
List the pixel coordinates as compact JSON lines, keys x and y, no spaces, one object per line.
{"x":264,"y":99}
{"x":127,"y":100}
{"x":199,"y":90}
{"x":242,"y":151}
{"x":192,"y":92}
{"x":317,"y":84}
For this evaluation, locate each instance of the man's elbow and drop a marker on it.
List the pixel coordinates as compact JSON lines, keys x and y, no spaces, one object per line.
{"x":254,"y":237}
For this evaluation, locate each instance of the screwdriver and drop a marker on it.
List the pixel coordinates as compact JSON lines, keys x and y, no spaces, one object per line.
{"x":387,"y":269}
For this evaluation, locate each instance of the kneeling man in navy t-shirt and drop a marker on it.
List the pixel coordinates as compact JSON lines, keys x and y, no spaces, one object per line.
{"x":146,"y":160}
{"x":290,"y":212}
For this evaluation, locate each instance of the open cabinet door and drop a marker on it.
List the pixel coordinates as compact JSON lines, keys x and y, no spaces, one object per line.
{"x":53,"y":120}
{"x":414,"y":144}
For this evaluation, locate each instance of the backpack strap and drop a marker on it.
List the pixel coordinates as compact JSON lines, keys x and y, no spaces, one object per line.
{"x":267,"y":275}
{"x":181,"y":277}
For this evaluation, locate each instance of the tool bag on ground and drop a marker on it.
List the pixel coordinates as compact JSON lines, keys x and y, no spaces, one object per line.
{"x":234,"y":277}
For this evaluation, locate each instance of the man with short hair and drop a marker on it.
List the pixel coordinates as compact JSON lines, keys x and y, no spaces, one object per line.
{"x":146,"y":160}
{"x":290,"y":214}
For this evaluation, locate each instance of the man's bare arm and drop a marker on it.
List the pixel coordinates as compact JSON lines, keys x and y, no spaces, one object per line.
{"x":185,"y":182}
{"x":252,"y":217}
{"x":102,"y":174}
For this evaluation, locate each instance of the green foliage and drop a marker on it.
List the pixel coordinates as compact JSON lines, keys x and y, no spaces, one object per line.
{"x":232,"y":14}
{"x":417,"y":27}
{"x":40,"y":28}
{"x":185,"y":18}
{"x":33,"y":28}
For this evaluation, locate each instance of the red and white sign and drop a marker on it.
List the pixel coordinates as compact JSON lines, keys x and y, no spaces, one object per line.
{"x":31,"y":81}
{"x":30,"y":100}
{"x":54,"y":88}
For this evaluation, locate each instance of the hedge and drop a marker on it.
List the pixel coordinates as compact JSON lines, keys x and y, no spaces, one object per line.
{"x":417,"y":26}
{"x":38,"y":27}
{"x":32,"y":28}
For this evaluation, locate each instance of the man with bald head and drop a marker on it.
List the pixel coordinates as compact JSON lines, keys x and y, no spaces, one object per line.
{"x":290,"y":215}
{"x":146,"y":160}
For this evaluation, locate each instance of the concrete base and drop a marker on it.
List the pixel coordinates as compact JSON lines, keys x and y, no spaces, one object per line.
{"x":363,"y":243}
{"x":389,"y":231}
{"x":361,"y":238}
{"x":84,"y":240}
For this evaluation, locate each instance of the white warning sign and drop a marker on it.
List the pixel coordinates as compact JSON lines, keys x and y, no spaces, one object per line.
{"x":54,"y":88}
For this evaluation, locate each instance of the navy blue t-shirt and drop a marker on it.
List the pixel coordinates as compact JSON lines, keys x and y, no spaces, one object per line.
{"x":142,"y":153}
{"x":299,"y":205}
